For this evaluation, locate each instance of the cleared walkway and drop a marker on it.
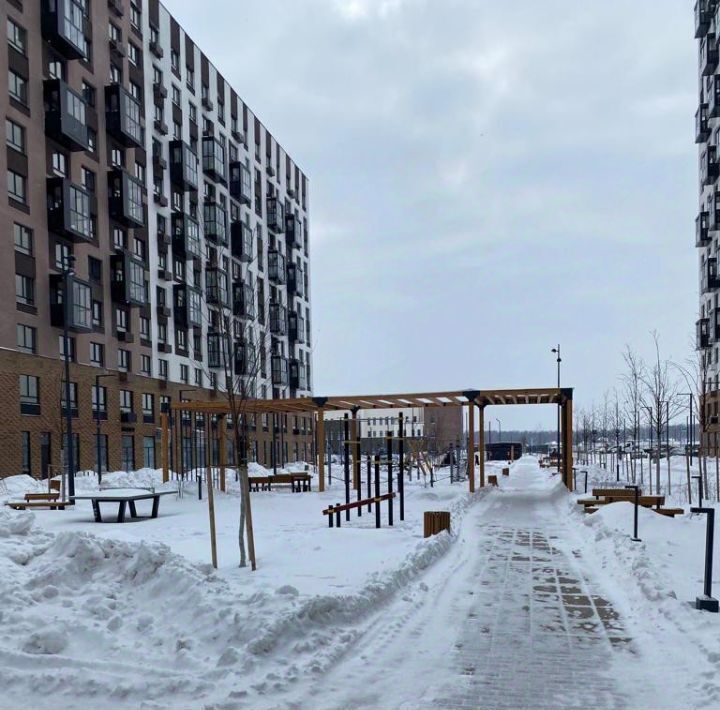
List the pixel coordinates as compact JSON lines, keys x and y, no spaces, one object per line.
{"x":507,"y":620}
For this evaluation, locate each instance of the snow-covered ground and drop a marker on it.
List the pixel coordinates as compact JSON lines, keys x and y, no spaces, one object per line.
{"x":528,"y":603}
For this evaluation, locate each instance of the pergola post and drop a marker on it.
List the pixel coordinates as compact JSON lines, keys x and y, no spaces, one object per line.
{"x":355,"y":448}
{"x":567,"y":435}
{"x":481,"y":444}
{"x":320,"y":449}
{"x":471,"y":446}
{"x":164,"y":447}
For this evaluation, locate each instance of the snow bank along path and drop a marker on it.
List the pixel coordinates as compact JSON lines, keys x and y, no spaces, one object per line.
{"x":93,"y":614}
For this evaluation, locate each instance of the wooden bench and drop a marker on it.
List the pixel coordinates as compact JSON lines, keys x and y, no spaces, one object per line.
{"x":670,"y":512}
{"x":298,"y":482}
{"x":492,"y":479}
{"x":42,"y":496}
{"x":26,"y":504}
{"x":602,"y":492}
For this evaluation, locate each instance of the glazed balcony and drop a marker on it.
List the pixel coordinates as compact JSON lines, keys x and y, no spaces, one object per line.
{"x":279,"y":371}
{"x":79,"y":309}
{"x":709,"y":166}
{"x":127,"y":285}
{"x":186,"y":235}
{"x":244,"y":301}
{"x":183,"y":166}
{"x":215,"y":223}
{"x":241,"y":183}
{"x":187,"y":306}
{"x":293,"y":231}
{"x":703,"y":18}
{"x":275,"y":215}
{"x":125,"y":199}
{"x":702,"y":333}
{"x":213,"y":154}
{"x":296,"y":327}
{"x":216,"y":287}
{"x":65,"y":115}
{"x":295,"y":281}
{"x":63,"y":26}
{"x":276,"y":268}
{"x":708,"y":55}
{"x":702,"y":124}
{"x":123,"y":117}
{"x":710,"y":281}
{"x":69,"y":210}
{"x":298,"y":375}
{"x":702,"y":229}
{"x":278,"y":319}
{"x":241,"y":238}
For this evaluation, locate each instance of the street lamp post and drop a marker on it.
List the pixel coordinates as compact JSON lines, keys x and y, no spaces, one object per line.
{"x":617,"y":442}
{"x":558,"y":360}
{"x":499,"y":430}
{"x":97,"y":427}
{"x":67,"y":272}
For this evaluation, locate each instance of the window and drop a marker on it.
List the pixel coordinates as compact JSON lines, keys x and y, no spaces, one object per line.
{"x":135,"y":16}
{"x":17,"y":37}
{"x":56,"y":69}
{"x":133,"y":54}
{"x":145,"y":365}
{"x":63,"y":255}
{"x":121,"y":319}
{"x":123,"y":360}
{"x":175,"y":60}
{"x":25,"y":447}
{"x":17,"y":87}
{"x":25,"y":289}
{"x":95,"y":269}
{"x":73,"y":397}
{"x":16,"y":186}
{"x":15,"y":135}
{"x":136,"y":92}
{"x":115,"y":74}
{"x":29,"y":394}
{"x":92,"y":139}
{"x":184,"y":374}
{"x":190,"y":78}
{"x":97,"y":354}
{"x":198,"y":377}
{"x":193,"y":113}
{"x":175,"y":95}
{"x":23,"y":239}
{"x":59,"y":164}
{"x":177,"y":130}
{"x":88,"y":93}
{"x":163,"y":369}
{"x":128,"y":452}
{"x":149,"y":451}
{"x":119,"y":238}
{"x":99,"y":399}
{"x":117,"y":158}
{"x":26,"y":338}
{"x":97,"y":314}
{"x":71,"y":348}
{"x":144,"y":328}
{"x":126,"y":401}
{"x":181,"y":339}
{"x":148,"y":404}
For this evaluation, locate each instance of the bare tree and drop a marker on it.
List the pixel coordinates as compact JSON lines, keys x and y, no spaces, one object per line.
{"x":633,"y":385}
{"x":660,"y":397}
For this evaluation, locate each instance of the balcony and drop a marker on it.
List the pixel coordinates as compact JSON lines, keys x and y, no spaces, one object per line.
{"x":213,"y":153}
{"x":703,"y":18}
{"x":123,"y":115}
{"x":710,"y":280}
{"x":708,"y":55}
{"x":279,"y":370}
{"x":79,"y":304}
{"x":63,"y":27}
{"x":183,"y":165}
{"x":160,"y":91}
{"x":65,"y":115}
{"x":215,"y":223}
{"x":127,"y":285}
{"x":187,"y":308}
{"x":186,"y":235}
{"x":709,"y":166}
{"x":702,"y":124}
{"x":241,"y":239}
{"x":216,"y":287}
{"x":241,"y":183}
{"x":702,"y":230}
{"x":69,"y":210}
{"x":293,"y":231}
{"x":216,"y":343}
{"x":296,"y":327}
{"x":298,"y":375}
{"x":278,"y":319}
{"x":245,"y":359}
{"x":275,"y":215}
{"x":295,"y":282}
{"x":125,"y":198}
{"x":702,"y":333}
{"x":244,"y":301}
{"x":276,"y":267}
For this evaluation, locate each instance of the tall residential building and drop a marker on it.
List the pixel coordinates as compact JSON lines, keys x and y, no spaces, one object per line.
{"x":132,"y":162}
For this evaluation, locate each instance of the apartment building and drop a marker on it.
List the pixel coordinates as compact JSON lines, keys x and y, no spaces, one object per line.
{"x":150,"y":212}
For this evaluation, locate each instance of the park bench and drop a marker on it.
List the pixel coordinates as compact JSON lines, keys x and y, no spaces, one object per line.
{"x":298,"y":482}
{"x":42,"y":496}
{"x":52,"y":504}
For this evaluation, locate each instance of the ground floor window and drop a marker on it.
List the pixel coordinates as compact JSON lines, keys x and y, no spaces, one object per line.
{"x":25,"y":445}
{"x":101,"y":447}
{"x":149,"y":451}
{"x":76,"y":452}
{"x":128,"y":453}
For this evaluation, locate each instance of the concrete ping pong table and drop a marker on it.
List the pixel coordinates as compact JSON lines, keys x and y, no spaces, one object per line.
{"x":124,"y":497}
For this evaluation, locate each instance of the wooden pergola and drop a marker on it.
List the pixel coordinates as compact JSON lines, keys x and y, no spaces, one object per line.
{"x":470,"y":398}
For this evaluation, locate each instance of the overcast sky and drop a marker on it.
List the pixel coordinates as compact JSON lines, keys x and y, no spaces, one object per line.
{"x":487,"y":179}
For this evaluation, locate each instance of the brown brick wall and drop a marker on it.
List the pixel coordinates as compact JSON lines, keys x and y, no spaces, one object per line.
{"x":50,"y":373}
